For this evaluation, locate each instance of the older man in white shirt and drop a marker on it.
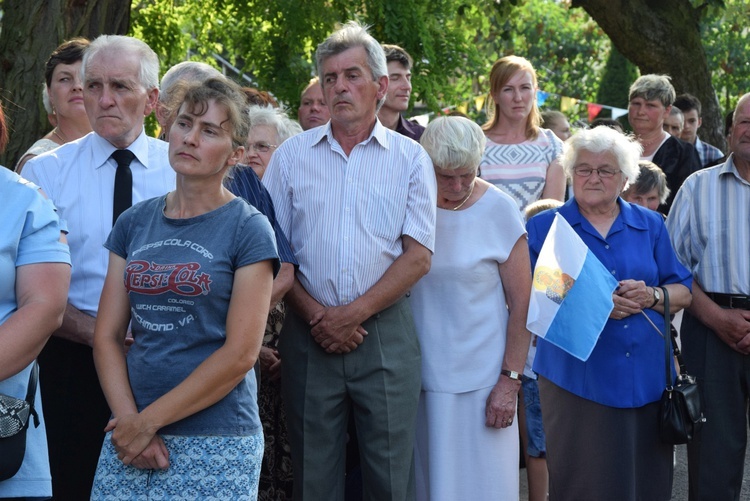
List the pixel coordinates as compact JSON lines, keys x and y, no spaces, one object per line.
{"x":91,"y":181}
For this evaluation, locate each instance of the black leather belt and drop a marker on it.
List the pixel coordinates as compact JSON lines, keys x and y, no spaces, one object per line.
{"x":734,"y":301}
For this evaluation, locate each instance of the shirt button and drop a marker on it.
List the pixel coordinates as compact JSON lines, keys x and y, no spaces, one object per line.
{"x":606,"y":246}
{"x":625,"y":326}
{"x":614,"y":272}
{"x":627,"y":354}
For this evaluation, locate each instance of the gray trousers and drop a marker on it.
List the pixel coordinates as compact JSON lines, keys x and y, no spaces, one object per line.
{"x":379,"y":382}
{"x":716,"y":457}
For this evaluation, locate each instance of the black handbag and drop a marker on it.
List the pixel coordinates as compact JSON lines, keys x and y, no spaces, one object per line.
{"x":14,"y":420}
{"x":681,"y":409}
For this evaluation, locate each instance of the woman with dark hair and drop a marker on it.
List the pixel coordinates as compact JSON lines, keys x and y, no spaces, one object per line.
{"x":63,"y":99}
{"x":34,"y":279}
{"x":185,"y":418}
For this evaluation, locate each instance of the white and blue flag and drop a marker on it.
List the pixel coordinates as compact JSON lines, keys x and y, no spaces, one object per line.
{"x":571,"y":295}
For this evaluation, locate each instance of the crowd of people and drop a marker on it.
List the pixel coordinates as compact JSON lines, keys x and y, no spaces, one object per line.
{"x":250,"y":306}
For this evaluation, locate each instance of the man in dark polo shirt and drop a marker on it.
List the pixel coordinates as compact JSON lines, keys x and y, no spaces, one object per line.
{"x":399,"y":91}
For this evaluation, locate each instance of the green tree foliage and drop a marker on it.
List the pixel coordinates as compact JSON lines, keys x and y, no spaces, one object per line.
{"x":618,"y":75}
{"x":565,"y":45}
{"x":273,"y":41}
{"x":726,"y":39}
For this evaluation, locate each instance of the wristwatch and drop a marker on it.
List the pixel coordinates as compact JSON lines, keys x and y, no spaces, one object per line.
{"x":511,"y":374}
{"x":657,"y":296}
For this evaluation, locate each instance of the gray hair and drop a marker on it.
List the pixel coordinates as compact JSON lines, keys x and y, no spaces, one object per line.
{"x":275,"y":118}
{"x":651,"y":176}
{"x":626,"y":150}
{"x":676,"y":112}
{"x":45,"y":99}
{"x":740,"y":101}
{"x":353,"y":34}
{"x":454,"y":143}
{"x":117,"y":44}
{"x":193,"y":71}
{"x":650,"y":87}
{"x":313,"y":82}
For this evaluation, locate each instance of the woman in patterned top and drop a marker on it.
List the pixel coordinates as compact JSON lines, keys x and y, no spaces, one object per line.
{"x":521,"y":157}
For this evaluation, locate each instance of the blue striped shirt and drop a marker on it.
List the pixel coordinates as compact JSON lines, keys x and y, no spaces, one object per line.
{"x":709,"y":228}
{"x":708,"y":153}
{"x":345,"y":215}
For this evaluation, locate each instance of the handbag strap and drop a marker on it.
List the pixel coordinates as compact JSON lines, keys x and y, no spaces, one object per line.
{"x":667,"y":339}
{"x":31,"y":391}
{"x":33,"y":379}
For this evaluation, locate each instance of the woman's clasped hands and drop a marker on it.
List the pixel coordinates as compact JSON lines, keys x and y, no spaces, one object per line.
{"x":630,"y":298}
{"x":136,"y":444}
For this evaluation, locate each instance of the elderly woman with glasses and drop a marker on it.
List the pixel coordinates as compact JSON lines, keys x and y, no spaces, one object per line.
{"x":470,"y":313}
{"x":269,"y":128}
{"x":600,"y":416}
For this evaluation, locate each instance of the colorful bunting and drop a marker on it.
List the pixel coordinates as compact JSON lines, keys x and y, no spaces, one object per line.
{"x":594,"y":110}
{"x":541,"y":97}
{"x":479,"y":102}
{"x":618,"y":112}
{"x":567,"y":102}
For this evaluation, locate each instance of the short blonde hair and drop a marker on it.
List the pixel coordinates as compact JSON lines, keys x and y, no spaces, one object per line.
{"x":454,"y":143}
{"x":542,"y":205}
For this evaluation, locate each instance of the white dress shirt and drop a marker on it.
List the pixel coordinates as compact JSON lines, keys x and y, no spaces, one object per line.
{"x":79,"y":177}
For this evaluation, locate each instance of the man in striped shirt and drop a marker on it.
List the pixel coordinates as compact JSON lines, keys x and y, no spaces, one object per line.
{"x":709,"y":228}
{"x":358,"y":203}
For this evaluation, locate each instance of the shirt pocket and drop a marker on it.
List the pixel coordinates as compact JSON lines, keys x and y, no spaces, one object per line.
{"x":385,"y":210}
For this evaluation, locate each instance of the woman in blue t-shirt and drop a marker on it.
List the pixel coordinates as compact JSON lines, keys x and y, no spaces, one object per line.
{"x":190,"y":272}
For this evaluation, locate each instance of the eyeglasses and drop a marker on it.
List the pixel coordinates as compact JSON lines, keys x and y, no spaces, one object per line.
{"x":262,"y":147}
{"x":602,"y":173}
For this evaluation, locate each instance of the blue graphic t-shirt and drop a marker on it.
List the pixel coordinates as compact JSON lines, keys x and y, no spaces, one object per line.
{"x":179,"y":276}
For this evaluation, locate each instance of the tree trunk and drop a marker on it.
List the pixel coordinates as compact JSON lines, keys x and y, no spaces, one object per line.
{"x":663,"y":37}
{"x":31,"y":29}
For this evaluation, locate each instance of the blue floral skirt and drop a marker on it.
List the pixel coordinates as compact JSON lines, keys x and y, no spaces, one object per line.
{"x":200,"y":467}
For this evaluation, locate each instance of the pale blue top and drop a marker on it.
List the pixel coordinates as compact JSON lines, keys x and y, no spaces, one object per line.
{"x":29,"y":234}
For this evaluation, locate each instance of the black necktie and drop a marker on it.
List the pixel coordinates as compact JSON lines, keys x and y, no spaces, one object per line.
{"x":123,"y":183}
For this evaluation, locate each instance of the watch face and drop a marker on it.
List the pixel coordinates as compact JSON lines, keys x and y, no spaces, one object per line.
{"x":657,"y":294}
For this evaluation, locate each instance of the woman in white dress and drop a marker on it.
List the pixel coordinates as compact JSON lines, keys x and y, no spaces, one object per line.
{"x":470,"y":313}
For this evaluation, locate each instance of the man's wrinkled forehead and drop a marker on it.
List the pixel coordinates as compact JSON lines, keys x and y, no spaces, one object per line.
{"x":113,"y":66}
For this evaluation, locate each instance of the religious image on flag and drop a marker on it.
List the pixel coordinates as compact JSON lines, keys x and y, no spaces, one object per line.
{"x":571,"y":295}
